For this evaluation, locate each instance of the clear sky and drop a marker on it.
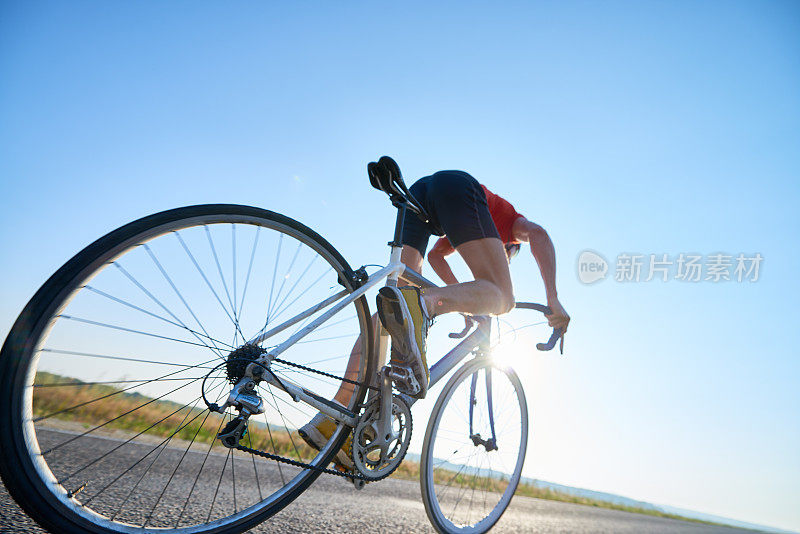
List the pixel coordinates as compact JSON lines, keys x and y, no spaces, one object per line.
{"x":638,"y":127}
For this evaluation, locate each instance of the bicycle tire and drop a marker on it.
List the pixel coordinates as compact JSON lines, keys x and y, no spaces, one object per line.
{"x":456,"y":469}
{"x":28,"y":478}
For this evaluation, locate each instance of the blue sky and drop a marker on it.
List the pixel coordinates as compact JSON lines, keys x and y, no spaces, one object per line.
{"x":659,"y":127}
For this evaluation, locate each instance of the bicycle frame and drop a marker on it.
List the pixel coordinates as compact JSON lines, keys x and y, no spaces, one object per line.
{"x":478,"y":339}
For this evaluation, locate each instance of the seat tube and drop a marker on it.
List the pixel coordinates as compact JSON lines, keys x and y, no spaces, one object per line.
{"x":397,"y":244}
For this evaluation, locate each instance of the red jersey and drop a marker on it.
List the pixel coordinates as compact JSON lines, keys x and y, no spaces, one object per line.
{"x":503,"y":215}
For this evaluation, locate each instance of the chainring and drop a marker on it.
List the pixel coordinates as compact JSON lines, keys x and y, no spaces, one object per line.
{"x":375,"y":458}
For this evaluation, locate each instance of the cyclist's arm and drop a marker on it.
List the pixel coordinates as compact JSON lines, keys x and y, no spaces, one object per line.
{"x":545,"y":255}
{"x":440,"y":266}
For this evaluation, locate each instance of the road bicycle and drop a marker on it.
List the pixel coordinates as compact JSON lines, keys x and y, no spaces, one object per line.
{"x":157,"y":382}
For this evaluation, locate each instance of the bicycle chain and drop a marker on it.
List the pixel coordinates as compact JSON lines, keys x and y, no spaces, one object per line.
{"x":323,"y":373}
{"x":304,"y":465}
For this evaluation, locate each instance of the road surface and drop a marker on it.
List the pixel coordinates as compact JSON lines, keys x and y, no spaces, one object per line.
{"x":332,"y":505}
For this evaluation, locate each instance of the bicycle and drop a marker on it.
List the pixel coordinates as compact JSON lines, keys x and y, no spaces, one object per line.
{"x":121,"y":412}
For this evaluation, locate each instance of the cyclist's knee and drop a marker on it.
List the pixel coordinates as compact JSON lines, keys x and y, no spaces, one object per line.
{"x":507,"y":301}
{"x":504,"y":300}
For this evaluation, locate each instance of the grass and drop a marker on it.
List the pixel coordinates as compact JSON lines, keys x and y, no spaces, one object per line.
{"x":156,"y":418}
{"x":409,"y":470}
{"x":76,"y":403}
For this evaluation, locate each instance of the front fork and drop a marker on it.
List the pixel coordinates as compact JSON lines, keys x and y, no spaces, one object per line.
{"x":489,"y":444}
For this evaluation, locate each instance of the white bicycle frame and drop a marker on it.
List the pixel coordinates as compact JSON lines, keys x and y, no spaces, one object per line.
{"x":392,"y":272}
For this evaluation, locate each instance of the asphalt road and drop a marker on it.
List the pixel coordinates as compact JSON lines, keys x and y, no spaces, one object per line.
{"x":333,"y":505}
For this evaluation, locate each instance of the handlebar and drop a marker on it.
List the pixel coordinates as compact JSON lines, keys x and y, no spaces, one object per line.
{"x":551,"y":343}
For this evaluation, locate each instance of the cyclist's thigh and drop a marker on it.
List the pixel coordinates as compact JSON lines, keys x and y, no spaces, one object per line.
{"x":486,"y":258}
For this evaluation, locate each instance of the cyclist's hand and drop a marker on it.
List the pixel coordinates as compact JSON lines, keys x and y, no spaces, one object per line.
{"x":559,"y":318}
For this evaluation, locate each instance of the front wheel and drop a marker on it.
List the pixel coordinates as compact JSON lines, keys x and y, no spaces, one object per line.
{"x":474,"y":448}
{"x":103,"y":427}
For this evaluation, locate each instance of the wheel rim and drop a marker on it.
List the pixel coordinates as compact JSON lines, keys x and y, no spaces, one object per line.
{"x":129,"y":482}
{"x":467,"y":487}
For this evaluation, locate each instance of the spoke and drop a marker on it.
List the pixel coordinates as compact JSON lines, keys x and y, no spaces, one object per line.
{"x":306,"y":290}
{"x":140,"y":460}
{"x":179,"y":294}
{"x":255,"y":471}
{"x":249,"y":269}
{"x":133,"y":306}
{"x":205,"y":278}
{"x":110,"y":420}
{"x":177,"y":466}
{"x":216,"y":492}
{"x":326,"y":359}
{"x":274,"y":450}
{"x":121,"y":358}
{"x":285,"y":425}
{"x":105,"y":455}
{"x":447,"y":485}
{"x":163,"y":448}
{"x":41,"y":418}
{"x":131,"y":330}
{"x":334,"y":323}
{"x":486,"y":482}
{"x":302,"y":275}
{"x":222,"y":277}
{"x":196,"y":478}
{"x":61,"y":384}
{"x":472,"y":495}
{"x":233,"y":481}
{"x":286,"y":275}
{"x":326,"y":338}
{"x":292,"y":405}
{"x":233,"y":246}
{"x":461,"y":492}
{"x":272,"y":284}
{"x":305,"y":375}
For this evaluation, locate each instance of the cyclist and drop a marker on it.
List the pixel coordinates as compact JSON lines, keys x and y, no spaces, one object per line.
{"x":472,"y":218}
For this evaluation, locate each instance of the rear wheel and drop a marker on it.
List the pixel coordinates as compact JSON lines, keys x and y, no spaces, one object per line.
{"x":102,"y":424}
{"x":474,"y":448}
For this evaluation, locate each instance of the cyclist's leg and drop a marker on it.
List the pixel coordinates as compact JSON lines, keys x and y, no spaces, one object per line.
{"x":346,"y":389}
{"x":411,"y":257}
{"x":463,"y":213}
{"x":491,"y":292}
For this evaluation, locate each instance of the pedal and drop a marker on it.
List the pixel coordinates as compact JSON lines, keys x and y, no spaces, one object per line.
{"x":404,"y":379}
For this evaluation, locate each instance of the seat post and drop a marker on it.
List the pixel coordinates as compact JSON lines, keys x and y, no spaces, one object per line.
{"x":397,"y":242}
{"x":398,"y":226}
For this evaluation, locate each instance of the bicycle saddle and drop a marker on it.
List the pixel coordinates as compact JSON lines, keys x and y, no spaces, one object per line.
{"x":385,"y":175}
